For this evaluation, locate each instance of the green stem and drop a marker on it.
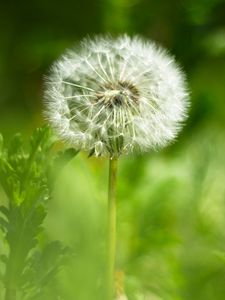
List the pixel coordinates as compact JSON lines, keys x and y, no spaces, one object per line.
{"x":111,"y":247}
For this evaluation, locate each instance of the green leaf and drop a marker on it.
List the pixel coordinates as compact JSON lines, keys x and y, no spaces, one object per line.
{"x":15,"y":146}
{"x":26,"y":177}
{"x":43,"y":267}
{"x":40,"y":139}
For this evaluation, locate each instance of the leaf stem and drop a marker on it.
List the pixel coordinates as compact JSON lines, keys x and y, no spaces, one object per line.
{"x":111,"y":245}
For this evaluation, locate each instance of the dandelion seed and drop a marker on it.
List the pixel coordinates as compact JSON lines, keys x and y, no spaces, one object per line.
{"x":116,"y":96}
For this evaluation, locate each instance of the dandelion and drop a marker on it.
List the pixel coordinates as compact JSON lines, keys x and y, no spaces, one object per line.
{"x":112,"y":97}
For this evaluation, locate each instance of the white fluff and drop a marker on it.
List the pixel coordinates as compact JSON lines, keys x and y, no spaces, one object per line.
{"x":116,"y":96}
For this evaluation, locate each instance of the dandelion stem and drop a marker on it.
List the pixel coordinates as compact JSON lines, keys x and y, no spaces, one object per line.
{"x":111,"y":245}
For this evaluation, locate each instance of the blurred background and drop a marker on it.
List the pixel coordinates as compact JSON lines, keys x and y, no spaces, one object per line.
{"x":171,"y":204}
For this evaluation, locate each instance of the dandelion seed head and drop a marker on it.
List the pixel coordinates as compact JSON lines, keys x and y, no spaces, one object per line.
{"x":116,"y":96}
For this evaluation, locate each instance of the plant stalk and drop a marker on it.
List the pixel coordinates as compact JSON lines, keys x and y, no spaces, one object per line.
{"x":111,"y":244}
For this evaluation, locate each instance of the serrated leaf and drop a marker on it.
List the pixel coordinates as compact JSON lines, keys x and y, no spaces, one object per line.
{"x":24,"y":175}
{"x":43,"y":267}
{"x":40,"y":137}
{"x":15,"y":146}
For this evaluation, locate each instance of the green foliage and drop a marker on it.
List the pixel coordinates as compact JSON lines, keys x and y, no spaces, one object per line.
{"x":42,"y":267}
{"x":26,"y":177}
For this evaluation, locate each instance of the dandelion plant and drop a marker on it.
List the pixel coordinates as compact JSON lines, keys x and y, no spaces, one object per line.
{"x":27,"y":265}
{"x":112,"y":97}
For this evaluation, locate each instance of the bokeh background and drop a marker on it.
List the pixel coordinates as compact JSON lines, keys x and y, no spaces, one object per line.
{"x":171,"y":204}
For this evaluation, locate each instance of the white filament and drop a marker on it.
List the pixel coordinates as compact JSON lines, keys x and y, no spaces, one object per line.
{"x":116,"y":96}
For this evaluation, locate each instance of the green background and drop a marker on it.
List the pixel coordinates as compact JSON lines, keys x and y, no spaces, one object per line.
{"x":171,"y":204}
